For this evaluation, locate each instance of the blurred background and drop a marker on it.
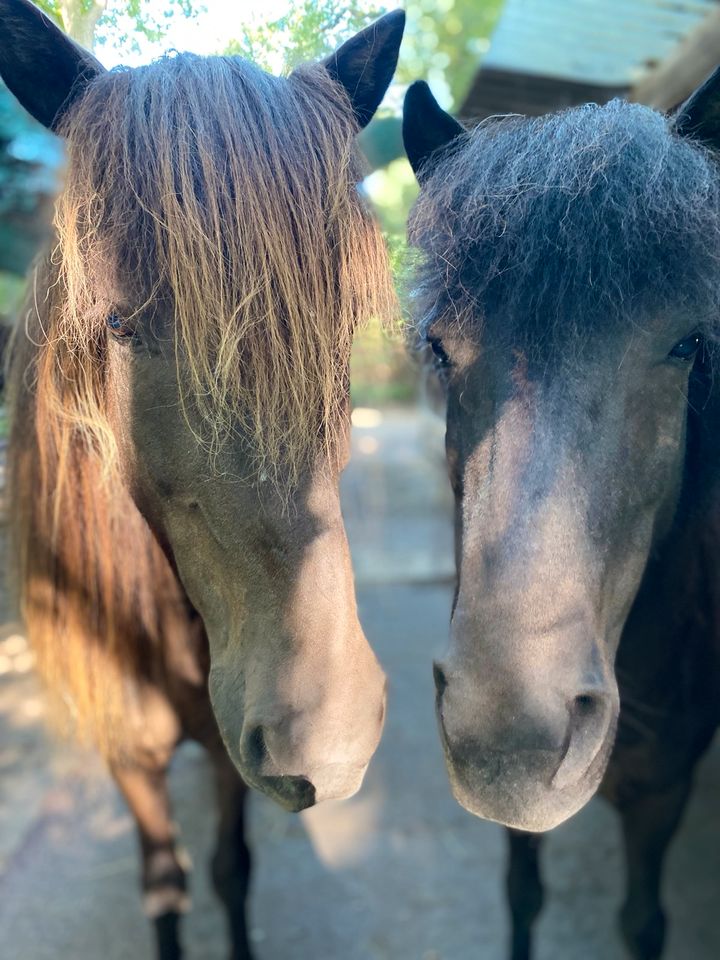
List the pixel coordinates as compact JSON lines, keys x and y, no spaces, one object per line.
{"x":400,"y":871}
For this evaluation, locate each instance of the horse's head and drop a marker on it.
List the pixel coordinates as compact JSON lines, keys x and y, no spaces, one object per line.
{"x":569,"y":273}
{"x":214,"y":259}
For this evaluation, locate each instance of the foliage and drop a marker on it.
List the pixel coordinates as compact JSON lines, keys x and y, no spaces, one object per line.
{"x":12,"y":288}
{"x":309,"y":30}
{"x":23,"y":157}
{"x":123,"y":21}
{"x":382,"y":370}
{"x":52,"y":9}
{"x":30,"y":158}
{"x":444,"y":39}
{"x":116,"y":22}
{"x":444,"y":43}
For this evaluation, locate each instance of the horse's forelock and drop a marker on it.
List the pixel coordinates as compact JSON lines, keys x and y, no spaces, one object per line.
{"x":589,"y":216}
{"x":232,"y":194}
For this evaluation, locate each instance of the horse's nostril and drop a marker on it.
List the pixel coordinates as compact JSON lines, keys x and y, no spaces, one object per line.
{"x":587,"y":732}
{"x":584,"y":702}
{"x":440,"y":679}
{"x":293,"y":793}
{"x":586,"y":705}
{"x":255,"y":748}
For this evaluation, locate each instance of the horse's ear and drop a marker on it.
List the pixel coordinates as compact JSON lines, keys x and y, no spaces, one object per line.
{"x":699,"y":116}
{"x":426,"y":127}
{"x":43,"y":67}
{"x":365,"y":64}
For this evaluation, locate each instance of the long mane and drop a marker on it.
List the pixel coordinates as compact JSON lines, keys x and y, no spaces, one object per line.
{"x":233,"y":196}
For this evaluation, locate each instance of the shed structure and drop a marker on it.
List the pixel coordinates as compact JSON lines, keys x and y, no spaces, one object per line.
{"x":548,"y":54}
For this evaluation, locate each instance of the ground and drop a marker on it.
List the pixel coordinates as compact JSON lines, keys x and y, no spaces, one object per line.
{"x":399,"y":872}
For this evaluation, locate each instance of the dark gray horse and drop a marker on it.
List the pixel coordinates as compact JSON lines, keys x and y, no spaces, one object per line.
{"x":569,"y":289}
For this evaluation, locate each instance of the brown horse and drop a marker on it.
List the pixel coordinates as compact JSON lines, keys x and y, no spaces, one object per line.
{"x":180,"y":420}
{"x":569,"y":291}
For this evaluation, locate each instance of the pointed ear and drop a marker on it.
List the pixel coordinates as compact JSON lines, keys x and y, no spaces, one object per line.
{"x":43,"y":67}
{"x":365,"y":64}
{"x":426,"y":126}
{"x":699,"y":116}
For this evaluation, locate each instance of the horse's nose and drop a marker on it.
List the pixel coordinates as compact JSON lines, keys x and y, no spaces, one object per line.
{"x":520,"y":756}
{"x":302,"y":781}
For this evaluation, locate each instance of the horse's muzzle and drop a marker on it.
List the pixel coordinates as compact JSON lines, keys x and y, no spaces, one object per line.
{"x":532,"y":773}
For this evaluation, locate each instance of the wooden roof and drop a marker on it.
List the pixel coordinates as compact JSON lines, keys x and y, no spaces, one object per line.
{"x":549,"y":54}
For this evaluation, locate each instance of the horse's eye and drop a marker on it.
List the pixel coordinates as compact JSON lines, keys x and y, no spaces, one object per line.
{"x":442,"y":360}
{"x":118,"y":327}
{"x":687,"y":348}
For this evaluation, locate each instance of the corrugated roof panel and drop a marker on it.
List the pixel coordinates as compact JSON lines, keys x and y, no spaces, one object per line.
{"x":592,"y":41}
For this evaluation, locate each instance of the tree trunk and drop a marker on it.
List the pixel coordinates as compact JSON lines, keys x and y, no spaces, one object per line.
{"x":80,"y":22}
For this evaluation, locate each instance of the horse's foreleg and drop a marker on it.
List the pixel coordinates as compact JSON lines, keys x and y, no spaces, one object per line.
{"x":649,"y":823}
{"x":524,"y":890}
{"x":164,"y":877}
{"x":231,"y":861}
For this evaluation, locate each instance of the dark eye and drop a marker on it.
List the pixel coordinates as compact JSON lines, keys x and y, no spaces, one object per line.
{"x":442,"y":360}
{"x":687,"y":348}
{"x":119,"y":328}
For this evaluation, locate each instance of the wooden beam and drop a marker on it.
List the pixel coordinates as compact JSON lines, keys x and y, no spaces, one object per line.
{"x":694,"y":58}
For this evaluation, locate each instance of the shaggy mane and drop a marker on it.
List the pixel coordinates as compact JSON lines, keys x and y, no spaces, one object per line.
{"x":595,"y":215}
{"x":233,"y":195}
